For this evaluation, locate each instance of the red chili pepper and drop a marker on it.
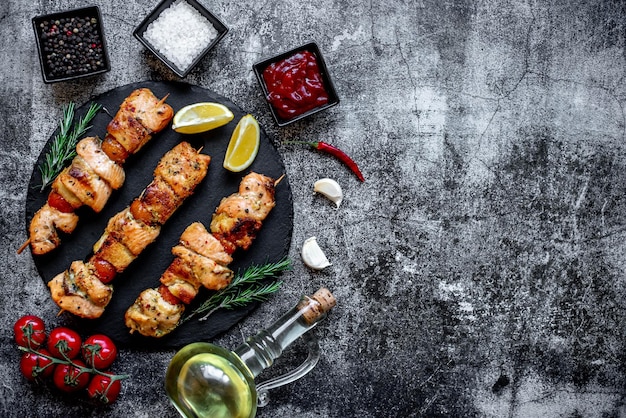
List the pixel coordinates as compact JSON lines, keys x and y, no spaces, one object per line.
{"x":335,"y":152}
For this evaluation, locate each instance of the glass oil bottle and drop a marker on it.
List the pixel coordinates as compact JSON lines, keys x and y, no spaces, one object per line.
{"x":204,"y":380}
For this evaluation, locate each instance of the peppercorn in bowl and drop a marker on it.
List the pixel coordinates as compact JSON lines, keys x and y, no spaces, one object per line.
{"x":71,"y":44}
{"x":180,"y":33}
{"x":296,"y":84}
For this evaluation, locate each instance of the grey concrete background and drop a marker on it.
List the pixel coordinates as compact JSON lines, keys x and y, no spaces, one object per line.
{"x":480,"y":270}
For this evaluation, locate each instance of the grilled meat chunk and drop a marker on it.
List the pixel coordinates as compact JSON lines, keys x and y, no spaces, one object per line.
{"x":140,"y":115}
{"x":204,"y":270}
{"x":79,"y":291}
{"x":238,"y":218}
{"x":90,"y":150}
{"x":133,"y":234}
{"x":43,"y":228}
{"x":153,"y":113}
{"x":152,"y":315}
{"x":85,"y":184}
{"x":196,"y":238}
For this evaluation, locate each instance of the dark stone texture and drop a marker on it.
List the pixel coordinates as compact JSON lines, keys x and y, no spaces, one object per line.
{"x":479,"y":270}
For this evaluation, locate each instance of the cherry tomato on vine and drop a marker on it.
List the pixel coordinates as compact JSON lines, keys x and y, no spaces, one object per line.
{"x":34,"y":365}
{"x":29,"y":329}
{"x":99,"y":351}
{"x":69,"y":378}
{"x":64,"y":343}
{"x":104,"y":389}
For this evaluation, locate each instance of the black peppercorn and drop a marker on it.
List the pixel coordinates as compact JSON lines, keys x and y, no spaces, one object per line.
{"x":68,"y":46}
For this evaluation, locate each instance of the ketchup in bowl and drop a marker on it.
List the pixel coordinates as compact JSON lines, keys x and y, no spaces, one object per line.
{"x":295,"y":85}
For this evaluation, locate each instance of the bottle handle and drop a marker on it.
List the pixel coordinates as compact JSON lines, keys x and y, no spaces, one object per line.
{"x":263,"y":397}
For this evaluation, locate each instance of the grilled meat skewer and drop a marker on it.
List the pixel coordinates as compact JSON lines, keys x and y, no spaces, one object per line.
{"x":97,"y":170}
{"x":84,"y":289}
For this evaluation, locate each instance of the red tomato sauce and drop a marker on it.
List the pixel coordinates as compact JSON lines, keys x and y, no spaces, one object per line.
{"x":295,"y":85}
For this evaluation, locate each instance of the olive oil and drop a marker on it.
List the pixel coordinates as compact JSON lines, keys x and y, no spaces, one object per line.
{"x":204,"y":380}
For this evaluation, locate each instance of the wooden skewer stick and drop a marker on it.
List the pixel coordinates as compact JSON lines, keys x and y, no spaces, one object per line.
{"x":162,"y":100}
{"x":23,"y":246}
{"x":279,"y":180}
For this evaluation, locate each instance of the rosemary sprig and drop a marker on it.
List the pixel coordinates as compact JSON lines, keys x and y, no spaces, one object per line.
{"x":242,"y":297}
{"x":63,"y":146}
{"x":244,"y":289}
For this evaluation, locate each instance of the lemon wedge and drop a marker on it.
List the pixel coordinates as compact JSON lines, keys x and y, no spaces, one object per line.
{"x":313,"y":256}
{"x":329,"y":188}
{"x":244,"y":145}
{"x":201,"y":117}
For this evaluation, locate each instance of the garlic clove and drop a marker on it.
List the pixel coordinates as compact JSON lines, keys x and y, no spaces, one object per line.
{"x":329,"y":188}
{"x":313,"y":256}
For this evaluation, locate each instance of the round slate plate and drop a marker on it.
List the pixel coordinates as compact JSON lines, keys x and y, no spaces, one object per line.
{"x":271,"y":244}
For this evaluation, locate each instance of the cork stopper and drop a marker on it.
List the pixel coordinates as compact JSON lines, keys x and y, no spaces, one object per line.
{"x":325,"y":298}
{"x":320,"y":303}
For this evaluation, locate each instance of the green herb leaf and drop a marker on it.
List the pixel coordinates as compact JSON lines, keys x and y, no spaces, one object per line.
{"x":244,"y":289}
{"x":63,"y":147}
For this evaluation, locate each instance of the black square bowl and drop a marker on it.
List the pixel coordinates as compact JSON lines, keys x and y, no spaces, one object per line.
{"x":311,"y":47}
{"x":140,"y":31}
{"x":71,"y":44}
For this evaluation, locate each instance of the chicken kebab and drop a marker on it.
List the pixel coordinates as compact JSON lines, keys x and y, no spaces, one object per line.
{"x":96,"y":170}
{"x":85,"y":289}
{"x":202,"y":257}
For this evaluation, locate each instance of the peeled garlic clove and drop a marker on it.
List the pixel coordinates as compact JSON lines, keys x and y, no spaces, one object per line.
{"x":329,"y":188}
{"x":313,"y":256}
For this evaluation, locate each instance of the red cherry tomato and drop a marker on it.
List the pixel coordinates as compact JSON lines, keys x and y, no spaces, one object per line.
{"x":141,"y":213}
{"x":70,"y":378}
{"x":168,"y":296}
{"x":30,"y":331}
{"x":34,"y":364}
{"x":99,"y":351}
{"x":113,"y":149}
{"x":64,"y":343}
{"x":58,"y":202}
{"x":104,"y":389}
{"x":104,"y":270}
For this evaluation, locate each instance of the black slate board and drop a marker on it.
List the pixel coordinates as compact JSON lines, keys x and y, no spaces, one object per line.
{"x":271,"y":244}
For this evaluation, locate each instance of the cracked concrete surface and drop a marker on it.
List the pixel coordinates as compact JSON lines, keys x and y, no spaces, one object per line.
{"x":480,"y":268}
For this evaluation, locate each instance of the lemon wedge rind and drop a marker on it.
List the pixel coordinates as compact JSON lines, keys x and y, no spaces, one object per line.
{"x":244,"y":144}
{"x":201,"y":117}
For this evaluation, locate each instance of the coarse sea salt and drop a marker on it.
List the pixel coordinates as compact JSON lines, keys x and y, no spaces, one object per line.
{"x":180,"y":33}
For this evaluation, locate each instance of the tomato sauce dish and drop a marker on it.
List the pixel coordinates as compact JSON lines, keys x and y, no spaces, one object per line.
{"x":296,"y":84}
